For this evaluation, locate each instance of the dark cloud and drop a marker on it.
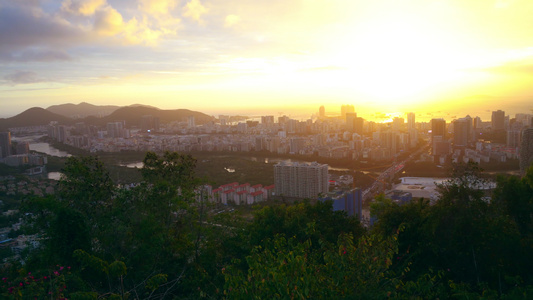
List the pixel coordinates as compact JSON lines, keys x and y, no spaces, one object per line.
{"x":23,"y":77}
{"x":21,"y":27}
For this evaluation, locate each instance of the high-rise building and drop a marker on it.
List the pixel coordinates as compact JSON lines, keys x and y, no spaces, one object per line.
{"x":297,"y":144}
{"x":526,"y":150}
{"x":5,"y":144}
{"x":191,"y":122}
{"x":440,"y":147}
{"x":462,"y":132}
{"x":350,"y":121}
{"x":267,"y":120}
{"x":61,"y":133}
{"x":438,"y":128}
{"x":478,"y":124}
{"x":358,"y":125}
{"x":389,"y":140}
{"x":411,"y":121}
{"x":283,"y":119}
{"x":525,"y":119}
{"x":80,"y":128}
{"x":322,"y":112}
{"x":397,"y":123}
{"x":23,"y":148}
{"x":272,"y":143}
{"x":413,"y":137}
{"x":513,"y":138}
{"x":259,"y":143}
{"x":300,"y":180}
{"x":149,"y":123}
{"x":115,"y":129}
{"x":346,"y":109}
{"x":498,"y":120}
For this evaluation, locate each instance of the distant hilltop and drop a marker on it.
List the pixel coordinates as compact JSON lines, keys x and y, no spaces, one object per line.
{"x":82,"y":110}
{"x":98,"y":115}
{"x":34,"y":116}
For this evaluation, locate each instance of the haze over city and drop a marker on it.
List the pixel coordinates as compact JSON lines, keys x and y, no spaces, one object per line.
{"x":436,"y":58}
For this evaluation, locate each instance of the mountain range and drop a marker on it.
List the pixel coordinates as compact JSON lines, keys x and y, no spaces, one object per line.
{"x":82,"y":110}
{"x":98,"y":115}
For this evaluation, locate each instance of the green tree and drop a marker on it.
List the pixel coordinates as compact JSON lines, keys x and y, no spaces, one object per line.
{"x":287,"y":268}
{"x":513,"y":198}
{"x":68,"y":232}
{"x":86,"y":187}
{"x":463,"y":235}
{"x":297,"y":219}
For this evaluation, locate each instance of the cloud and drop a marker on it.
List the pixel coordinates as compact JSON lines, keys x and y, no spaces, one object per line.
{"x":194,"y":10}
{"x":157,"y":6}
{"x":108,"y":22}
{"x":82,"y":7}
{"x":21,"y":28}
{"x":136,"y":32}
{"x":231,"y":20}
{"x":36,"y":54}
{"x":23,"y":77}
{"x":29,"y":2}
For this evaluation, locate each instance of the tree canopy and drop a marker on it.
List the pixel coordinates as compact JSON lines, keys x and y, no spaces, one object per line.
{"x":160,"y":239}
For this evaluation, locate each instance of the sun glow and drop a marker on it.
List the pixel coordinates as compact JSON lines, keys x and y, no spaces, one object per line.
{"x":399,"y":58}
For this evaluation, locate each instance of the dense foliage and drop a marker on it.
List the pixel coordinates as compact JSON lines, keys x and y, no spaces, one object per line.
{"x":161,"y":239}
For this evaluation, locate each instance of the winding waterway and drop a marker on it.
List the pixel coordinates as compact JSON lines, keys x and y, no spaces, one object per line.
{"x":42,"y":147}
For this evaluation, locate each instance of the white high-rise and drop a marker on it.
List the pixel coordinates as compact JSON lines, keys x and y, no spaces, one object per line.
{"x":300,"y":180}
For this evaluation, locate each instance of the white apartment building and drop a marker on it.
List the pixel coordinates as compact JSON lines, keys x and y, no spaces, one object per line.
{"x":300,"y":180}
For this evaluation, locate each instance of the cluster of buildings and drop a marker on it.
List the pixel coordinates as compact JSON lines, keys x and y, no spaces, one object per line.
{"x":19,"y":243}
{"x":471,"y":139}
{"x":19,"y":154}
{"x":341,"y":137}
{"x":294,"y":181}
{"x":31,"y":185}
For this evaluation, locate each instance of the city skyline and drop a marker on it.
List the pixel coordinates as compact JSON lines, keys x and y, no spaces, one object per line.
{"x":218,"y":57}
{"x":318,"y":113}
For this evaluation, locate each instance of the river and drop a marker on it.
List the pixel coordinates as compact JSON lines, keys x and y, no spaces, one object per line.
{"x":42,"y":147}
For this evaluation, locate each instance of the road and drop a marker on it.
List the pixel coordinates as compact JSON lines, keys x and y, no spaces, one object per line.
{"x":379,"y":185}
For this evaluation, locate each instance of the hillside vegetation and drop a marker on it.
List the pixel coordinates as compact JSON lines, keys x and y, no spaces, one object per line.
{"x":157,"y":240}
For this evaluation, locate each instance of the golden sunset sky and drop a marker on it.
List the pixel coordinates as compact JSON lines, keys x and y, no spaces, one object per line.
{"x":452,"y":57}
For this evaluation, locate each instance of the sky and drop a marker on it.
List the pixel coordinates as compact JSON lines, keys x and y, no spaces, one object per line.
{"x":434,"y":57}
